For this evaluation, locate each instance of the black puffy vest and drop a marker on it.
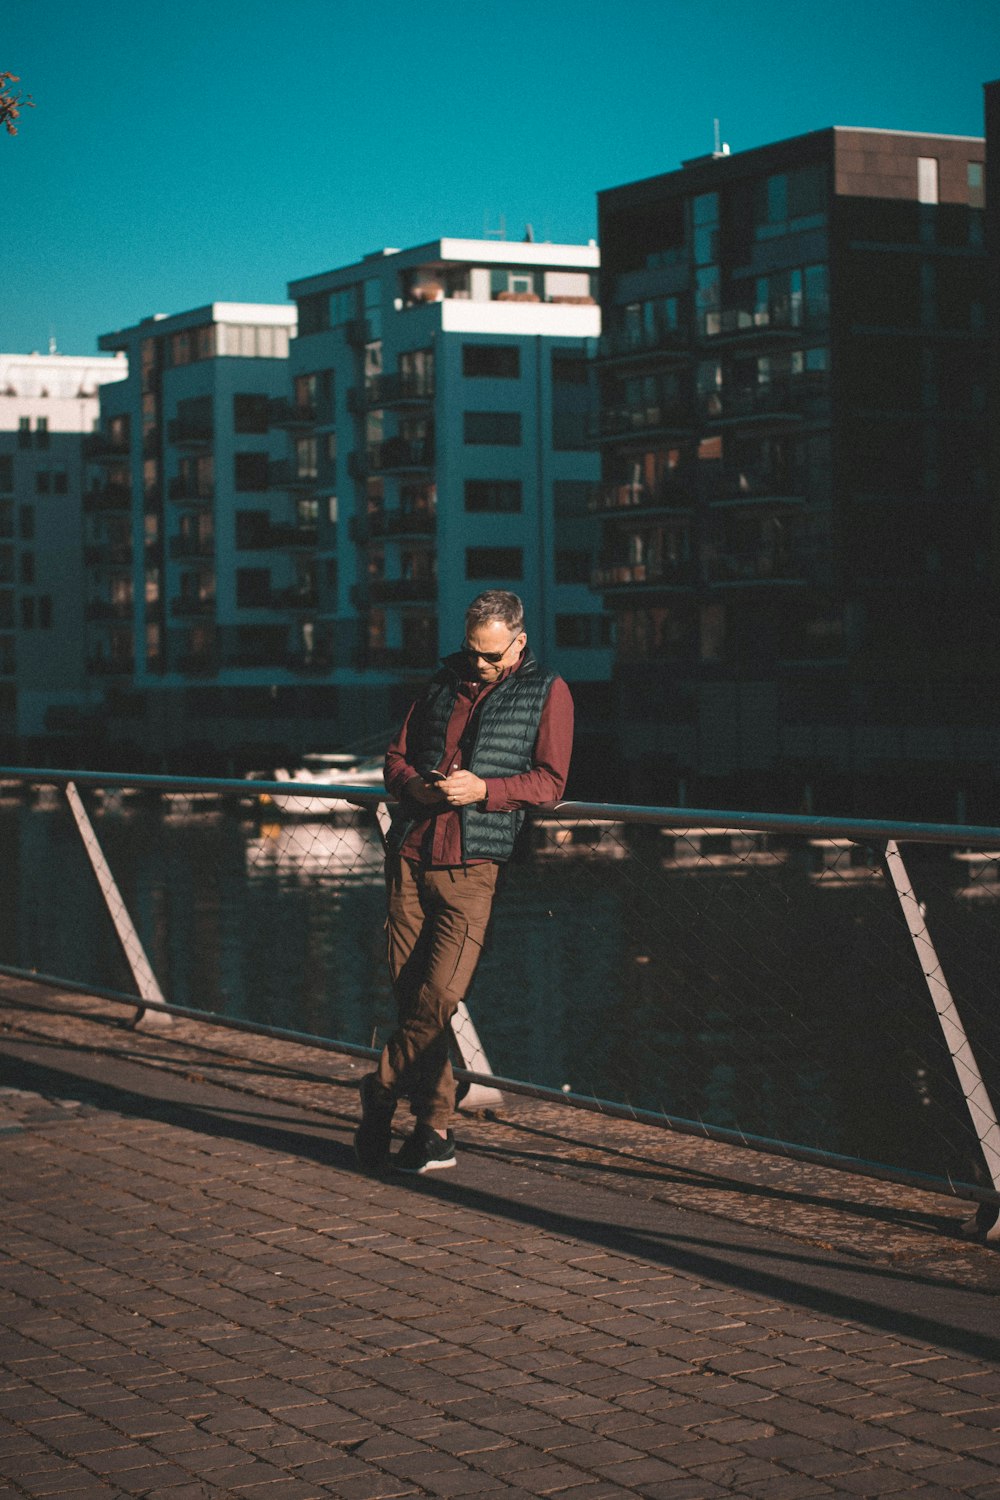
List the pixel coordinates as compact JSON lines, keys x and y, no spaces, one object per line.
{"x":498,"y":742}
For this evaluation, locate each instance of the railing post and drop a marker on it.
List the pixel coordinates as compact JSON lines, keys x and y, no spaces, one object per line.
{"x":970,"y":1080}
{"x":131,"y":943}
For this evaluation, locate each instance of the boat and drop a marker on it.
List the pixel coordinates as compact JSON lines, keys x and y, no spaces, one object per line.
{"x":319,"y":768}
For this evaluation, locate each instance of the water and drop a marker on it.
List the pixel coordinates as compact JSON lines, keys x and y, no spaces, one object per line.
{"x":748,"y":989}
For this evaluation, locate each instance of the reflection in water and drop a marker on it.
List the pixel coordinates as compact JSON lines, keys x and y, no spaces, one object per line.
{"x":707,"y":975}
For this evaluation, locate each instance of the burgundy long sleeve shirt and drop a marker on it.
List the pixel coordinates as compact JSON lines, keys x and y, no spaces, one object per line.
{"x":436,"y":839}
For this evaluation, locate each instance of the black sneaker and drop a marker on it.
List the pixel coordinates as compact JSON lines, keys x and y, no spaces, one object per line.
{"x":374,"y":1135}
{"x":425,"y":1151}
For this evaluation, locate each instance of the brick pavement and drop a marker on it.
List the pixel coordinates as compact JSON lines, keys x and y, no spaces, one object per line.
{"x":200,"y":1298}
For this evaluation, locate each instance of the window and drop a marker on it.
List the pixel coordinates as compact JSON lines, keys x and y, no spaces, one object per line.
{"x":251,"y":471}
{"x":572,"y":566}
{"x":927,"y":179}
{"x":6,"y":609}
{"x":569,"y":369}
{"x":585,"y":632}
{"x":6,"y":518}
{"x":250,"y":413}
{"x":43,"y":482}
{"x":494,"y":562}
{"x":27,"y":519}
{"x":502,"y":428}
{"x":6,"y":565}
{"x":27,"y":612}
{"x":253,"y":587}
{"x":306,"y":455}
{"x":493,"y":495}
{"x":45,"y":611}
{"x":27,"y":568}
{"x":60,"y":482}
{"x":6,"y":472}
{"x":497,"y":361}
{"x":42,"y":432}
{"x":24,"y":432}
{"x":974,"y":176}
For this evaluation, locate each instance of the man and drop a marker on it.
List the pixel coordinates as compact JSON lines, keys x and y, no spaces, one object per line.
{"x":490,"y":735}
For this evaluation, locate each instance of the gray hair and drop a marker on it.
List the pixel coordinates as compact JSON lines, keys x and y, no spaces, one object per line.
{"x":496,"y":604}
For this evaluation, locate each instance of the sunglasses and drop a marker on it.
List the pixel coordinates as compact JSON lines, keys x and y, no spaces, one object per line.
{"x":491,"y":656}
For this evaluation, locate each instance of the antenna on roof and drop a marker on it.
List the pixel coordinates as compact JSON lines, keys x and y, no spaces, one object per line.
{"x":719,"y":147}
{"x":494,"y":234}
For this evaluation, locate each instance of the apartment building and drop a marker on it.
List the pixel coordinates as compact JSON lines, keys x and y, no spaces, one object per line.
{"x":443,"y":398}
{"x":200,"y":554}
{"x":795,"y":507}
{"x":48,"y":405}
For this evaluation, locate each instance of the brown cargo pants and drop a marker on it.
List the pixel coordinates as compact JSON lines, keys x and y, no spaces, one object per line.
{"x":436,"y":928}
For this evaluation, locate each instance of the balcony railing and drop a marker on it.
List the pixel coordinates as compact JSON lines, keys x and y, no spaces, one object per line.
{"x":191,"y":547}
{"x":795,"y":398}
{"x":110,"y":666}
{"x":108,"y":497}
{"x":398,"y":455}
{"x":186,"y":432}
{"x":293,"y":598}
{"x":670,"y":495}
{"x":282,"y":474}
{"x":761,"y":565}
{"x":738,"y":487}
{"x":620,"y":422}
{"x":279,"y":537}
{"x":185,"y":493}
{"x":626,"y":344}
{"x":393,"y":389}
{"x":107,"y":609}
{"x":393,"y":523}
{"x":192,"y":605}
{"x":782,"y":318}
{"x":101,"y":447}
{"x":283,"y":413}
{"x":668,"y":575}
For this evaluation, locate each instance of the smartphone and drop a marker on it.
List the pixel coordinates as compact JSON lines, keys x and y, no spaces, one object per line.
{"x":435,"y":775}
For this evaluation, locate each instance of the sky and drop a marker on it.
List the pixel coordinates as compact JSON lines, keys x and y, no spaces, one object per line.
{"x":213,"y":150}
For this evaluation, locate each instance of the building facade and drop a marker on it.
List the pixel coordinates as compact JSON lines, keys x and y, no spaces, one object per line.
{"x":444,"y":399}
{"x":48,"y":406}
{"x":794,"y":498}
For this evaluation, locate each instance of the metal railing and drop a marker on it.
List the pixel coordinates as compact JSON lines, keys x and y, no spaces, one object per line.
{"x":790,"y":983}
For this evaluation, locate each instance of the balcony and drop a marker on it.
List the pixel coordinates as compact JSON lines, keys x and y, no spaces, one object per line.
{"x":681,"y":574}
{"x":191,"y":547}
{"x":108,"y":554}
{"x":793,"y":400}
{"x":782,"y":320}
{"x":183,"y":492}
{"x":282,"y":474}
{"x":756,"y":567}
{"x":192,"y":606}
{"x":288,"y":537}
{"x":101,"y":447}
{"x":396,"y":389}
{"x":283,"y":413}
{"x":358,"y":332}
{"x":734,"y":488}
{"x":399,"y":524}
{"x":294,"y":598}
{"x":398,"y":455}
{"x":670,"y":496}
{"x":312,"y":665}
{"x":104,"y":497}
{"x":619,"y":423}
{"x":102,"y":610}
{"x":184,"y":432}
{"x":197,"y":663}
{"x":626,"y":346}
{"x":402,"y":590}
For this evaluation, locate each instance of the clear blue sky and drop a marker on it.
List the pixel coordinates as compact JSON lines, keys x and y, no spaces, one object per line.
{"x":184,"y":152}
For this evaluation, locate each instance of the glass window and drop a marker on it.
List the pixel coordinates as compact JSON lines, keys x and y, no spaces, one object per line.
{"x":977,"y":192}
{"x":42,"y":432}
{"x":705,"y":209}
{"x":24,"y":432}
{"x":27,"y":612}
{"x":493,"y":495}
{"x":573,"y":369}
{"x":494,"y":562}
{"x":42,"y":482}
{"x":27,"y":519}
{"x":6,"y":472}
{"x":27,"y":567}
{"x":572,"y":565}
{"x":927,"y":179}
{"x":250,"y":413}
{"x":497,"y":361}
{"x":45,"y":611}
{"x":60,"y":482}
{"x":251,"y":471}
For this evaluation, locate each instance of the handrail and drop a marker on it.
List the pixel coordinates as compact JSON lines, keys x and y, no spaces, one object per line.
{"x":859,"y":830}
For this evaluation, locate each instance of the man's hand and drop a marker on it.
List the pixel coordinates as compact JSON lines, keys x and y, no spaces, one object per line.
{"x":424,"y":791}
{"x":462,"y":788}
